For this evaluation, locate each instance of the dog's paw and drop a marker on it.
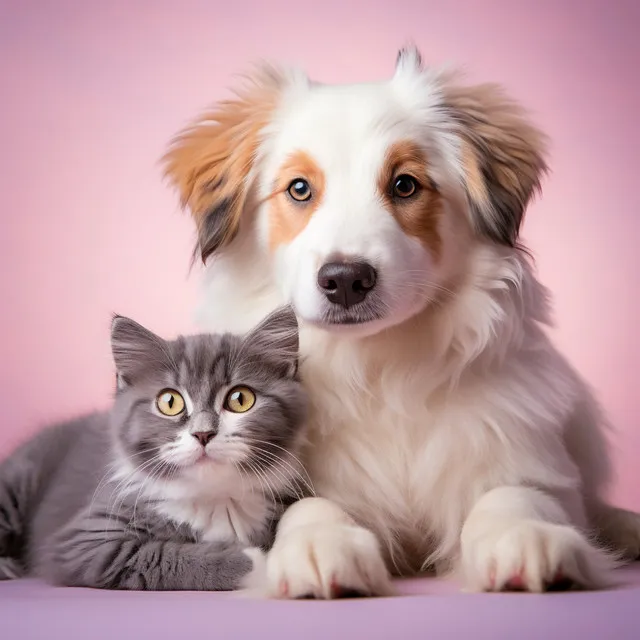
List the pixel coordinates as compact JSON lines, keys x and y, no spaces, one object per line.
{"x":530,"y":555}
{"x":322,"y":562}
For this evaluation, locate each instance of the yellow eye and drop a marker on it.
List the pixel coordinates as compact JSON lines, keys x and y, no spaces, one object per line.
{"x":239,"y":400}
{"x":300,"y":190}
{"x":170,"y":402}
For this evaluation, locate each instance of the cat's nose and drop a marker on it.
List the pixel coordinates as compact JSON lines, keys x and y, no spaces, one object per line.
{"x":203,"y":437}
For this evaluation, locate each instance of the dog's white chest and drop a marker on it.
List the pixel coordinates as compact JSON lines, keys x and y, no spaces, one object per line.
{"x":377,"y":458}
{"x":406,"y":475}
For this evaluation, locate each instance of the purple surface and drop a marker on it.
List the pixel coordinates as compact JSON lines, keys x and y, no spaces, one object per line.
{"x":428,"y":609}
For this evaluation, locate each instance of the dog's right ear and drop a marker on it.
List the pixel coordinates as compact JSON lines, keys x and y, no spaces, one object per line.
{"x":209,"y":162}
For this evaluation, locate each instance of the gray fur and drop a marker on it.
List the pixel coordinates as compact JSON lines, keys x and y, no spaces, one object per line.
{"x":64,"y":517}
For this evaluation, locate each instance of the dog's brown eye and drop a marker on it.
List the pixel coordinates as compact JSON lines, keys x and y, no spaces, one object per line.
{"x":404,"y":186}
{"x":300,"y":190}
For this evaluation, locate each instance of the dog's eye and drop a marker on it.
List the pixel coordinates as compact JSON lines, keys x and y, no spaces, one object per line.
{"x":170,"y":402}
{"x":300,"y":190}
{"x":404,"y":186}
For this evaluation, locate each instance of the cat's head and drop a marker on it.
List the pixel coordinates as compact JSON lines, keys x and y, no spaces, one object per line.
{"x":204,"y":404}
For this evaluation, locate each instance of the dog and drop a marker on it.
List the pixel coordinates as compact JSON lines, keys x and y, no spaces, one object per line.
{"x":447,"y":432}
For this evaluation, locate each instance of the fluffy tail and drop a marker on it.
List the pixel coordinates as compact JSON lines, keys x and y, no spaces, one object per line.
{"x":617,"y":530}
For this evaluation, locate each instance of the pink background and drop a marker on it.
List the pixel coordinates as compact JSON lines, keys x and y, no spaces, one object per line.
{"x":92,"y":91}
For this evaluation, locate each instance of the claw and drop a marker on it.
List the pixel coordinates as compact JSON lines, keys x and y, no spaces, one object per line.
{"x":492,"y":577}
{"x":560,"y":582}
{"x":340,"y":591}
{"x":517,"y":582}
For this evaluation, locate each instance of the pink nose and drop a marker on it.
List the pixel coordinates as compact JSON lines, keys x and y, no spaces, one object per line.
{"x":203,"y":437}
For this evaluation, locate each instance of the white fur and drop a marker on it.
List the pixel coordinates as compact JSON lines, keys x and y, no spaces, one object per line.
{"x":214,"y":500}
{"x":319,"y":550}
{"x":452,"y":428}
{"x":523,"y":533}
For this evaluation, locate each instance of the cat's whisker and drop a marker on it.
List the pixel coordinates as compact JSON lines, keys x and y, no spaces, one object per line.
{"x":104,"y":480}
{"x":286,"y":471}
{"x":271,"y":466}
{"x":264,"y":481}
{"x":149,"y":478}
{"x":241,"y":473}
{"x":109,"y":472}
{"x":130,"y":477}
{"x":299,"y":470}
{"x":121,"y":491}
{"x":297,"y":460}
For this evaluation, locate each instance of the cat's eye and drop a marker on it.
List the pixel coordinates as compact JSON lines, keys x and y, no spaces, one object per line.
{"x":170,"y":402}
{"x":239,"y":400}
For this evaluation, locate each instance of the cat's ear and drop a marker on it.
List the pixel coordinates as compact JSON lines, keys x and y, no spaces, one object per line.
{"x":136,"y":350}
{"x":277,"y":339}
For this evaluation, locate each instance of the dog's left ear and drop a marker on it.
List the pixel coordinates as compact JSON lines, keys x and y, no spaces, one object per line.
{"x":210,"y":161}
{"x":501,"y":155}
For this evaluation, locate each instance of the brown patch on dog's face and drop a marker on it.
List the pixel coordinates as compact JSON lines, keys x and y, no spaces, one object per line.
{"x":288,"y":216}
{"x":417,"y":213}
{"x":209,"y":161}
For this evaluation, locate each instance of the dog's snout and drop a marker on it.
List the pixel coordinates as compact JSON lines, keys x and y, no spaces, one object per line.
{"x":346,"y":283}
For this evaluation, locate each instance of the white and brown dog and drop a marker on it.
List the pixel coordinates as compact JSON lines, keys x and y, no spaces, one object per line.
{"x":447,"y":431}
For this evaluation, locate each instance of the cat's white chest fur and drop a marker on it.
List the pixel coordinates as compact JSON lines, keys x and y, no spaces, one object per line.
{"x":218,"y":519}
{"x":217,"y":504}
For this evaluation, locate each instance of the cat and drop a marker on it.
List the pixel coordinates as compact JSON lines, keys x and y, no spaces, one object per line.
{"x":194,"y":464}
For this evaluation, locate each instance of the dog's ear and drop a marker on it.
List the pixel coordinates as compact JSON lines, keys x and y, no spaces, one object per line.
{"x":408,"y":61}
{"x":210,"y":161}
{"x":502,"y":157}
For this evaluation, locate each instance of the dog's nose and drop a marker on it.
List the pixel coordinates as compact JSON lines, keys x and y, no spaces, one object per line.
{"x":203,"y":437}
{"x":346,"y":283}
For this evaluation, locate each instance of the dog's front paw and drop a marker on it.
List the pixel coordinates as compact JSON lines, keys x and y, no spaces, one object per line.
{"x":531,"y":555}
{"x":320,"y":561}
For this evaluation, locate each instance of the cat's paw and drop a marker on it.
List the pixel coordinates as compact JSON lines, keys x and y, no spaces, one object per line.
{"x":10,"y":569}
{"x":321,"y":561}
{"x":530,"y":555}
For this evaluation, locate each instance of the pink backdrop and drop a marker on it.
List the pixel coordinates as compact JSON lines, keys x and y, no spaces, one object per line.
{"x":91,"y":92}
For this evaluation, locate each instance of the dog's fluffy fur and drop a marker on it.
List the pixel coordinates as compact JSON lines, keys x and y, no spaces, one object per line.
{"x":445,"y":422}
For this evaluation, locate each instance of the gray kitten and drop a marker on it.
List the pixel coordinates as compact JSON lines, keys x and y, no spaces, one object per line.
{"x":195,"y":462}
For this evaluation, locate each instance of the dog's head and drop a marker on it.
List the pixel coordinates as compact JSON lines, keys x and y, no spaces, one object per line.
{"x":365,"y":198}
